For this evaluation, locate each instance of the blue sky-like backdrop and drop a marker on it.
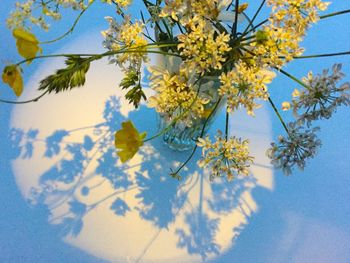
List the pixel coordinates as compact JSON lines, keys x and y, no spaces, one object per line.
{"x":304,"y":219}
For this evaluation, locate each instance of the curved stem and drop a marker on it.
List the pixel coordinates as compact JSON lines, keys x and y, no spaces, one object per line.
{"x":110,"y":53}
{"x":93,"y":57}
{"x":26,"y":101}
{"x":72,"y":27}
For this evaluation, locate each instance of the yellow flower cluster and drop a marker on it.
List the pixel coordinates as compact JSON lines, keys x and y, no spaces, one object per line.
{"x":177,"y":9}
{"x":121,"y":3}
{"x":244,"y":84}
{"x":279,"y":41}
{"x":174,"y":95}
{"x":230,"y":157}
{"x":203,"y":48}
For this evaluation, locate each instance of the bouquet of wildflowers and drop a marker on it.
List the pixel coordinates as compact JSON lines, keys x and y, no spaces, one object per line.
{"x":215,"y":55}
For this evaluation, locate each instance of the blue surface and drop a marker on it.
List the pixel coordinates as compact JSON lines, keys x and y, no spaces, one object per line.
{"x":315,"y":203}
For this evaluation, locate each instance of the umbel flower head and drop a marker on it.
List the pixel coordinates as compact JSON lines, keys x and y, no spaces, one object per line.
{"x":321,"y":96}
{"x":244,"y":84}
{"x":228,"y":157}
{"x":203,"y":48}
{"x":300,"y":144}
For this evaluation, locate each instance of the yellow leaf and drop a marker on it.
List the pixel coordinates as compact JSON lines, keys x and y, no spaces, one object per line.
{"x":12,"y":76}
{"x":242,"y":8}
{"x":128,"y":140}
{"x":27,"y":44}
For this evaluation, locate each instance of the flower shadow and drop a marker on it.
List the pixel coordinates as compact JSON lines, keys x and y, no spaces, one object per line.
{"x":80,"y":171}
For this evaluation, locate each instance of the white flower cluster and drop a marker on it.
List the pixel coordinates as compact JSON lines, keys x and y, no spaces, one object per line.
{"x":300,"y":144}
{"x":321,"y":97}
{"x":318,"y":100}
{"x":37,"y":12}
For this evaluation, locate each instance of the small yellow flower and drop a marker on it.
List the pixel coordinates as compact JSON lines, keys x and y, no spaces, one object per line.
{"x":12,"y":76}
{"x":128,"y":140}
{"x":286,"y":106}
{"x":26,"y":42}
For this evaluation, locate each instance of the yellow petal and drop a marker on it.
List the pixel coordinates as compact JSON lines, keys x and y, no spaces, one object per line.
{"x":126,"y":155}
{"x":296,"y":93}
{"x":128,"y":140}
{"x":27,"y":44}
{"x":12,"y":76}
{"x":286,"y":106}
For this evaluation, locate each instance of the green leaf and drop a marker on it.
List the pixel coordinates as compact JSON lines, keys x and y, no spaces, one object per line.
{"x":68,"y":78}
{"x":135,"y":93}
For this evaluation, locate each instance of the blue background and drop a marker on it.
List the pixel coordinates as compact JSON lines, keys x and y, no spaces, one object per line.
{"x":321,"y":193}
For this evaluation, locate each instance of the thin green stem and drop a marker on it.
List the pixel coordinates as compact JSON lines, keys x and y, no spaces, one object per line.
{"x":175,"y":174}
{"x":247,"y":38}
{"x":324,"y":55}
{"x":253,"y":19}
{"x":321,"y":17}
{"x":227,"y":124}
{"x":335,"y":14}
{"x":236,"y":18}
{"x":257,"y":26}
{"x":292,"y":77}
{"x":72,"y":27}
{"x":278,"y":115}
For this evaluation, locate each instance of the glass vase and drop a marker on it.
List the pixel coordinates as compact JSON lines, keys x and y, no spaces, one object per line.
{"x":181,"y":135}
